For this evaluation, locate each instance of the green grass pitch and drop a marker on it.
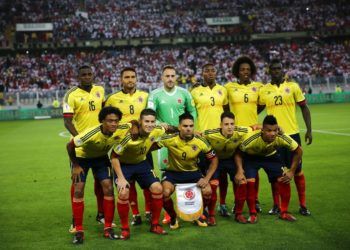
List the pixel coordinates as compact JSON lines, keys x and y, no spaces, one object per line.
{"x":35,"y":210}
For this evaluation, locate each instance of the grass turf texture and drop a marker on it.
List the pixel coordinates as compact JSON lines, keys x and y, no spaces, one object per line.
{"x":35,"y":209}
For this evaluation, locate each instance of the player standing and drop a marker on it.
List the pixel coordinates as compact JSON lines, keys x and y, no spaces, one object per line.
{"x":81,"y":107}
{"x":169,"y":102}
{"x":131,"y":102}
{"x":243,"y":100}
{"x":281,"y":97}
{"x":210,"y":99}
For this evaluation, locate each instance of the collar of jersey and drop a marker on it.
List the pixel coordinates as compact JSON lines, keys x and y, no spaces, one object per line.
{"x":172,"y":93}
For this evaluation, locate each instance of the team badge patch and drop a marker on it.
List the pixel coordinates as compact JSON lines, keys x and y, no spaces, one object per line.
{"x":120,"y":101}
{"x":287,"y":90}
{"x":152,"y":139}
{"x":98,"y":94}
{"x":201,"y":94}
{"x":140,"y":99}
{"x":189,"y":194}
{"x":194,"y":147}
{"x":179,"y":100}
{"x":165,"y":161}
{"x":220,"y":92}
{"x":254,"y":89}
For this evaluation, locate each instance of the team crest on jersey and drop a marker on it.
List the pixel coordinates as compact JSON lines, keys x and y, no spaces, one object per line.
{"x":189,"y":194}
{"x":140,"y":99}
{"x":220,"y":92}
{"x":254,"y":89}
{"x":201,"y":94}
{"x":81,"y":99}
{"x":287,"y":90}
{"x":179,"y":100}
{"x":120,"y":101}
{"x":194,"y":147}
{"x":235,"y":90}
{"x":152,"y":139}
{"x":165,"y":161}
{"x":98,"y":94}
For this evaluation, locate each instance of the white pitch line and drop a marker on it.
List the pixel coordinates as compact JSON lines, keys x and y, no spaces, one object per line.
{"x":65,"y":134}
{"x":329,"y":132}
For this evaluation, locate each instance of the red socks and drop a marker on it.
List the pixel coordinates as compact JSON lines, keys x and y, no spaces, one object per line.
{"x":240,"y":197}
{"x":78,"y":212}
{"x":156,"y":206}
{"x":108,"y":209}
{"x":133,"y":199}
{"x":99,"y":196}
{"x":169,"y":208}
{"x":284,"y":190}
{"x":223,"y":184}
{"x":300,"y":184}
{"x":148,"y":200}
{"x":251,"y":195}
{"x":213,"y":199}
{"x":123,"y":211}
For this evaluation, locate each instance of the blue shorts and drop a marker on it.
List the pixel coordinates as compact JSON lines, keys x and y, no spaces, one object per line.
{"x":287,"y":155}
{"x":226,"y":166}
{"x":101,"y":168}
{"x":272,"y":165}
{"x":141,"y":172}
{"x":182,"y":177}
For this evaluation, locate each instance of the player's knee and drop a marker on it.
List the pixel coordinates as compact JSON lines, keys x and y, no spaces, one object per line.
{"x":206,"y":192}
{"x":156,"y":187}
{"x":124,"y":194}
{"x":251,"y":180}
{"x":108,"y":191}
{"x":167,"y":193}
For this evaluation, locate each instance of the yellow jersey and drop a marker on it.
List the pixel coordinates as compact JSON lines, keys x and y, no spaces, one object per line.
{"x":92,"y":143}
{"x":225,"y":147}
{"x":243,"y":101}
{"x":183,"y":155}
{"x":83,"y":106}
{"x":209,"y":104}
{"x":253,"y":144}
{"x":130,"y":105}
{"x":133,"y":152}
{"x":280,"y":102}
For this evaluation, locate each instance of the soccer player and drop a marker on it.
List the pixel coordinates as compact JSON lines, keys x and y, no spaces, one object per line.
{"x":243,"y":101}
{"x":81,"y":107}
{"x":210,"y":99}
{"x":258,"y":150}
{"x":131,"y":102}
{"x":89,"y":150}
{"x":184,"y":149}
{"x":281,"y":98}
{"x":130,"y":163}
{"x":169,"y":102}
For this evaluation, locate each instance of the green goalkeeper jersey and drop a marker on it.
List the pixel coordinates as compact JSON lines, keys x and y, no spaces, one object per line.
{"x":170,"y":105}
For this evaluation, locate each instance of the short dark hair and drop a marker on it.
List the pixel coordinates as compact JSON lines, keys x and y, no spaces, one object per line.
{"x":207,"y":65}
{"x":227,"y":114}
{"x":127,"y":69}
{"x":145,"y":112}
{"x":239,"y":61}
{"x":270,"y":120}
{"x":275,"y":61}
{"x":107,"y":111}
{"x":185,"y":116}
{"x":168,"y":67}
{"x":85,"y":66}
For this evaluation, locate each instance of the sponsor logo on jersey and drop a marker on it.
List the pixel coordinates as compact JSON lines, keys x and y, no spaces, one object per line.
{"x":179,"y":100}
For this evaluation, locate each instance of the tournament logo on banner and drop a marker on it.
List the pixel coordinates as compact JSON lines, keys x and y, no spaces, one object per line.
{"x":189,"y":201}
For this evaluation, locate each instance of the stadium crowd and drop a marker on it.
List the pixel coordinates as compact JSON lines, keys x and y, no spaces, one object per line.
{"x":58,"y":71}
{"x":137,"y":19}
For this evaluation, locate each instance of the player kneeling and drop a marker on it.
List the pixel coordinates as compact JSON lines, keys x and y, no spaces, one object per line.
{"x":184,"y":149}
{"x":130,"y":163}
{"x":258,"y":150}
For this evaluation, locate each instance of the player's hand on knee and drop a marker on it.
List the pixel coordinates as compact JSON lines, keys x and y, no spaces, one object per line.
{"x":77,"y":173}
{"x":240,"y":178}
{"x":122,"y":184}
{"x":287,"y":177}
{"x":202,"y":183}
